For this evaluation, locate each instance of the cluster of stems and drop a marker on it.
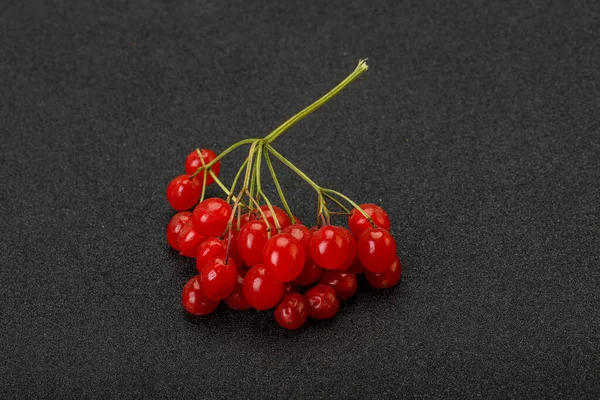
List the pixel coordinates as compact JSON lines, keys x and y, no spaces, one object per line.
{"x":250,"y":195}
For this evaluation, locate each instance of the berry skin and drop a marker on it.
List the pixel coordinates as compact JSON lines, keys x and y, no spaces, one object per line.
{"x":292,"y":312}
{"x":303,"y":234}
{"x":194,"y":299}
{"x":282,"y":217}
{"x":189,"y":240}
{"x":210,"y":249}
{"x":261,"y":290}
{"x":219,"y":279}
{"x":328,"y":247}
{"x":284,"y":257}
{"x":251,"y":240}
{"x":193,"y":162}
{"x":211,"y":216}
{"x":322,"y":302}
{"x":309,"y":275}
{"x":175,"y":225}
{"x":183,"y":193}
{"x":358,"y":223}
{"x":376,"y":249}
{"x":236,"y":299}
{"x":351,"y":254}
{"x":386,"y":279}
{"x":344,"y":284}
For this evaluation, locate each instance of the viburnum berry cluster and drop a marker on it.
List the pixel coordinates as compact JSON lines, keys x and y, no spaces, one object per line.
{"x":252,"y":254}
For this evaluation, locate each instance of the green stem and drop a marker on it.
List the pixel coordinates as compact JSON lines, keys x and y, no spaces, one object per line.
{"x":237,"y":177}
{"x":223,"y":154}
{"x":294,"y":168}
{"x":337,"y":202}
{"x":360,"y":69}
{"x":279,"y":191}
{"x":352,"y":203}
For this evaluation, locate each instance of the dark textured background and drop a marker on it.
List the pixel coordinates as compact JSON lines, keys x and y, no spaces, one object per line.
{"x":477,"y":127}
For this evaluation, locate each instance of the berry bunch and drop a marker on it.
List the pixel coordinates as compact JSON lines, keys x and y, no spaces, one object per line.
{"x":252,"y":254}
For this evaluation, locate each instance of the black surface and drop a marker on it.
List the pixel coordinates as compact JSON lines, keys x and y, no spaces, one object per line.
{"x":476,"y":127}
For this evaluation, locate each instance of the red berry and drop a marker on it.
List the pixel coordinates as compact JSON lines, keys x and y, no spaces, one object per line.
{"x":183,"y":193}
{"x":211,"y":216}
{"x":358,"y":223}
{"x":309,"y":275}
{"x":193,"y":162}
{"x":344,"y":284}
{"x":284,"y":257}
{"x":322,"y":302}
{"x":376,"y":249}
{"x":218,"y":278}
{"x":175,"y":225}
{"x":328,"y":247}
{"x":386,"y":279}
{"x":261,"y":290}
{"x":194,"y":299}
{"x":356,"y":268}
{"x":251,"y":240}
{"x":292,"y":312}
{"x":236,"y":299}
{"x":210,"y":249}
{"x":351,"y":254}
{"x":303,"y":234}
{"x":189,"y":240}
{"x":282,"y":217}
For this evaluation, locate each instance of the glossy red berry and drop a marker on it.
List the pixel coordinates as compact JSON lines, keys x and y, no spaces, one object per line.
{"x":292,"y":312}
{"x":218,"y":278}
{"x":189,"y":240}
{"x":193,"y":162}
{"x":251,"y":240}
{"x":208,"y":250}
{"x":328,"y":247}
{"x":358,"y":223}
{"x":322,"y":302}
{"x":351,"y":254}
{"x":282,"y":217}
{"x":309,"y":275}
{"x":386,"y":279}
{"x":376,"y":249}
{"x":284,"y":257}
{"x":183,"y":193}
{"x":194,"y":299}
{"x":211,"y":216}
{"x":175,"y":225}
{"x":261,"y":290}
{"x":236,"y":299}
{"x":303,"y":234}
{"x":344,"y":283}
